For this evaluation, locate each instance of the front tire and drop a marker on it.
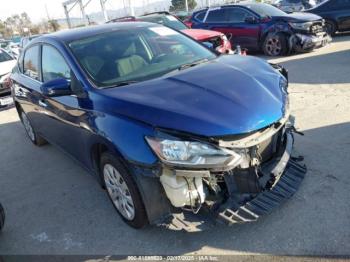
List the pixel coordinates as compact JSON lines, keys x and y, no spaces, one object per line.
{"x":122,"y":191}
{"x":275,"y":45}
{"x":331,"y":27}
{"x":33,"y":136}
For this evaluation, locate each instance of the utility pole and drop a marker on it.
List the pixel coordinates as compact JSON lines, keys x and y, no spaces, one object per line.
{"x":131,"y":8}
{"x":186,"y":4}
{"x":67,"y":16}
{"x":83,"y":12}
{"x":47,"y":13}
{"x":103,"y":7}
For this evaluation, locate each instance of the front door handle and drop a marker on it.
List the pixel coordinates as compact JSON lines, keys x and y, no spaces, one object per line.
{"x":42,"y":103}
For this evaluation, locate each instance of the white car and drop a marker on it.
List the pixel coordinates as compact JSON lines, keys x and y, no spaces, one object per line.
{"x":7,"y":62}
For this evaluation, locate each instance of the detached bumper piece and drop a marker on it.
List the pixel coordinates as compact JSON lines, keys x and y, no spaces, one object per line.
{"x":268,"y":200}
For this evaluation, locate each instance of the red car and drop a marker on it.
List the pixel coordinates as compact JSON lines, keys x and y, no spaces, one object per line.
{"x":213,"y":39}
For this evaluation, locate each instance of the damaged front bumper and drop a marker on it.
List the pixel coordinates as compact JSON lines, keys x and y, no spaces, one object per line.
{"x":286,"y":175}
{"x":191,"y":199}
{"x":303,"y":42}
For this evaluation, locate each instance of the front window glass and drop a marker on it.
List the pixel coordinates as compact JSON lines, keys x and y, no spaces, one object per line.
{"x":5,"y":56}
{"x":265,"y":10}
{"x":167,"y":20}
{"x":53,"y":64}
{"x":136,"y":55}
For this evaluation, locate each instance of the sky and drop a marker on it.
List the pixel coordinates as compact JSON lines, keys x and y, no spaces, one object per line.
{"x":36,"y":9}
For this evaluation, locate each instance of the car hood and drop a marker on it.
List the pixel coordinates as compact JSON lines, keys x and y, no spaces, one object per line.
{"x":6,"y":67}
{"x":300,"y":17}
{"x":229,"y":95}
{"x":200,"y":34}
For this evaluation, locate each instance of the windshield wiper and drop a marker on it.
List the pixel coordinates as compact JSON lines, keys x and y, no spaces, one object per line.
{"x":125,"y":83}
{"x":185,"y":66}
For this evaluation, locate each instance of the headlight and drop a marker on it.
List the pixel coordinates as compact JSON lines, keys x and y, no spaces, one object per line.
{"x":192,"y":154}
{"x":284,"y":84}
{"x":301,"y":26}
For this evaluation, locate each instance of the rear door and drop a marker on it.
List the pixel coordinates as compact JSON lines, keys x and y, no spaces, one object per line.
{"x":27,"y":85}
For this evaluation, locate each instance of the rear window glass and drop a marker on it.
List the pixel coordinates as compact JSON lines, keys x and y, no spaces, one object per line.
{"x":31,"y":62}
{"x":216,"y":16}
{"x":200,"y":16}
{"x":167,"y":20}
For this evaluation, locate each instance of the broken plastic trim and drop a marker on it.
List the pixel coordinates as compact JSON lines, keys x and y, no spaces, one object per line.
{"x":288,"y":176}
{"x":257,"y":137}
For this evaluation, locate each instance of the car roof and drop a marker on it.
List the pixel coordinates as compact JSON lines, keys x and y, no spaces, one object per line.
{"x":84,"y":32}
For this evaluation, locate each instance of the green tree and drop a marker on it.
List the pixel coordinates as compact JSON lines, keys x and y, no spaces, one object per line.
{"x":54,"y":25}
{"x":180,"y":5}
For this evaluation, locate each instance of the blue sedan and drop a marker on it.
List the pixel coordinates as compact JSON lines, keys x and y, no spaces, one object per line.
{"x":166,"y":125}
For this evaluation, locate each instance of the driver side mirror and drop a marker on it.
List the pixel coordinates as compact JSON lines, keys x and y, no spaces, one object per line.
{"x":56,"y":87}
{"x":251,"y":20}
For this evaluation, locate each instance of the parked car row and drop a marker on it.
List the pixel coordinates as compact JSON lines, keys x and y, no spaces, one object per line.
{"x":262,"y":27}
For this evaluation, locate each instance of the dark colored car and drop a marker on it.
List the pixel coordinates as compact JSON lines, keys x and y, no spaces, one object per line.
{"x":214,"y":40}
{"x":164,"y":123}
{"x":264,"y":27}
{"x":336,"y":14}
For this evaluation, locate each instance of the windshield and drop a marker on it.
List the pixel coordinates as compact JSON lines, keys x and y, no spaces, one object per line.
{"x":136,"y":55}
{"x":320,"y":2}
{"x":265,"y":10}
{"x":167,"y":20}
{"x":4,"y":56}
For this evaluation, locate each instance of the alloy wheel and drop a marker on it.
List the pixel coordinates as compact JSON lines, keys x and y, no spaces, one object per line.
{"x":28,"y":127}
{"x":274,"y":46}
{"x":119,"y":192}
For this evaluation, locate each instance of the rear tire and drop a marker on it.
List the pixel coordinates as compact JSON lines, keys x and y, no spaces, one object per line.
{"x":2,"y":217}
{"x":33,"y":136}
{"x":275,"y":45}
{"x":331,"y":27}
{"x":122,"y":191}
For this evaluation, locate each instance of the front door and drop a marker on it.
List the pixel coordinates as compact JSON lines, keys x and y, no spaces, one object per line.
{"x":66,"y":117}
